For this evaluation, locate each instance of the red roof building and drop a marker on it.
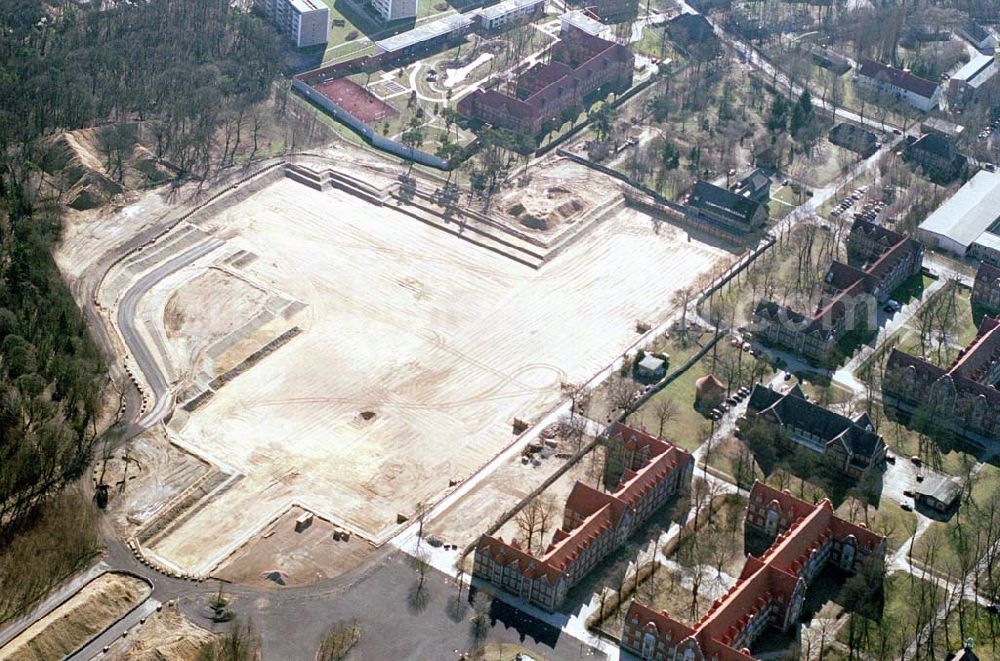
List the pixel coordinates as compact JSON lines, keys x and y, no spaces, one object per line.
{"x":962,"y":399}
{"x":881,"y":260}
{"x":580,"y":65}
{"x":594,"y":522}
{"x":770,"y":590}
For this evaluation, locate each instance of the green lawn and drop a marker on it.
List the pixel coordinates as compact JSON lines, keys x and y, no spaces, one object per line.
{"x":887,"y":519}
{"x":963,"y":331}
{"x":973,"y":622}
{"x":689,"y":428}
{"x":940,"y":545}
{"x":655,"y":43}
{"x":909,"y":602}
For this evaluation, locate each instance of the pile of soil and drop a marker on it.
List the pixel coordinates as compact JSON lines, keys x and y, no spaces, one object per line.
{"x":96,"y":606}
{"x":165,"y":635}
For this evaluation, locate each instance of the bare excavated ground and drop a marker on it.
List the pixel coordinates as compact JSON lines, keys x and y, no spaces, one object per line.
{"x":552,"y":195}
{"x":415,"y":350}
{"x":284,"y":555}
{"x":97,"y":605}
{"x":145,"y":477}
{"x":164,"y":635}
{"x":508,"y":485}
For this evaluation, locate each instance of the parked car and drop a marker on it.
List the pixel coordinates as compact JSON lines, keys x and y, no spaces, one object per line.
{"x":731,"y":401}
{"x":906,"y":507}
{"x":890,"y":458}
{"x":917,"y":461}
{"x":908,"y":493}
{"x":788,"y":376}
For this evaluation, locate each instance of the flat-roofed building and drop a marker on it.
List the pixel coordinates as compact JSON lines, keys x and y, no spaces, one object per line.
{"x":426,"y":37}
{"x":395,"y":10}
{"x":509,"y":12}
{"x":965,"y":224}
{"x":304,"y":22}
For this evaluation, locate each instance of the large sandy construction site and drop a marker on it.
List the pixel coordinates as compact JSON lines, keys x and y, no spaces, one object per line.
{"x":397,"y":354}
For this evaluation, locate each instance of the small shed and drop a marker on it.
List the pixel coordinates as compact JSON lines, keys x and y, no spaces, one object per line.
{"x":939,"y":492}
{"x":651,"y":368}
{"x":709,"y":392}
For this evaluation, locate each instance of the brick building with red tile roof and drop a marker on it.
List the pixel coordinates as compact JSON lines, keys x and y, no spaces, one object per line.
{"x":594,"y":522}
{"x":962,"y":399}
{"x":770,"y":590}
{"x":580,"y":65}
{"x":879,"y":261}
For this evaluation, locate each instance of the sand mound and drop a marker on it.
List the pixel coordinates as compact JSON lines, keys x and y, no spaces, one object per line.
{"x":92,"y":190}
{"x":97,"y":605}
{"x":165,"y":635}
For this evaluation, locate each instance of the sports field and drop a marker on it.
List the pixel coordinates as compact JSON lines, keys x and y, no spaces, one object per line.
{"x":417,"y":351}
{"x":355,"y":99}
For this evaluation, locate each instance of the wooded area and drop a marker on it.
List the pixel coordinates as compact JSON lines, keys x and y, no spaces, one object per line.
{"x":190,"y":71}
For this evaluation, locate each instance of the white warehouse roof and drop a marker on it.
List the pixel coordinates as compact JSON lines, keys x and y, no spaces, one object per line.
{"x":969,"y":212}
{"x":973,"y":67}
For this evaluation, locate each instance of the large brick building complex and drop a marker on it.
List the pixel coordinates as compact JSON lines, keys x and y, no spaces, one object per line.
{"x":580,"y":65}
{"x":879,"y":260}
{"x":771,"y":589}
{"x":961,"y":399}
{"x":594,"y":522}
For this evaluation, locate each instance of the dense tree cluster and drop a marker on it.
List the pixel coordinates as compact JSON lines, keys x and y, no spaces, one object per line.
{"x":189,"y":70}
{"x":186,"y":66}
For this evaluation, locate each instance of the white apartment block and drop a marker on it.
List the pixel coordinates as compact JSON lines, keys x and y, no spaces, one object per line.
{"x":499,"y":16}
{"x":305,"y":22}
{"x":394,"y":10}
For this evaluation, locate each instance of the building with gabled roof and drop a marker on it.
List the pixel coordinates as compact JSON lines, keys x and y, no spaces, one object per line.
{"x":879,"y":261}
{"x":594,"y":522}
{"x":961,"y":399}
{"x":850,"y":445}
{"x":919,"y":92}
{"x":855,"y":138}
{"x":580,"y":65}
{"x":986,"y":287}
{"x":715,"y":207}
{"x":938,"y":156}
{"x":771,"y":589}
{"x":978,"y":36}
{"x":965,"y":84}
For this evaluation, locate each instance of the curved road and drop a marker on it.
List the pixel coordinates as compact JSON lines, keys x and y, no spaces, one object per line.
{"x":136,"y":345}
